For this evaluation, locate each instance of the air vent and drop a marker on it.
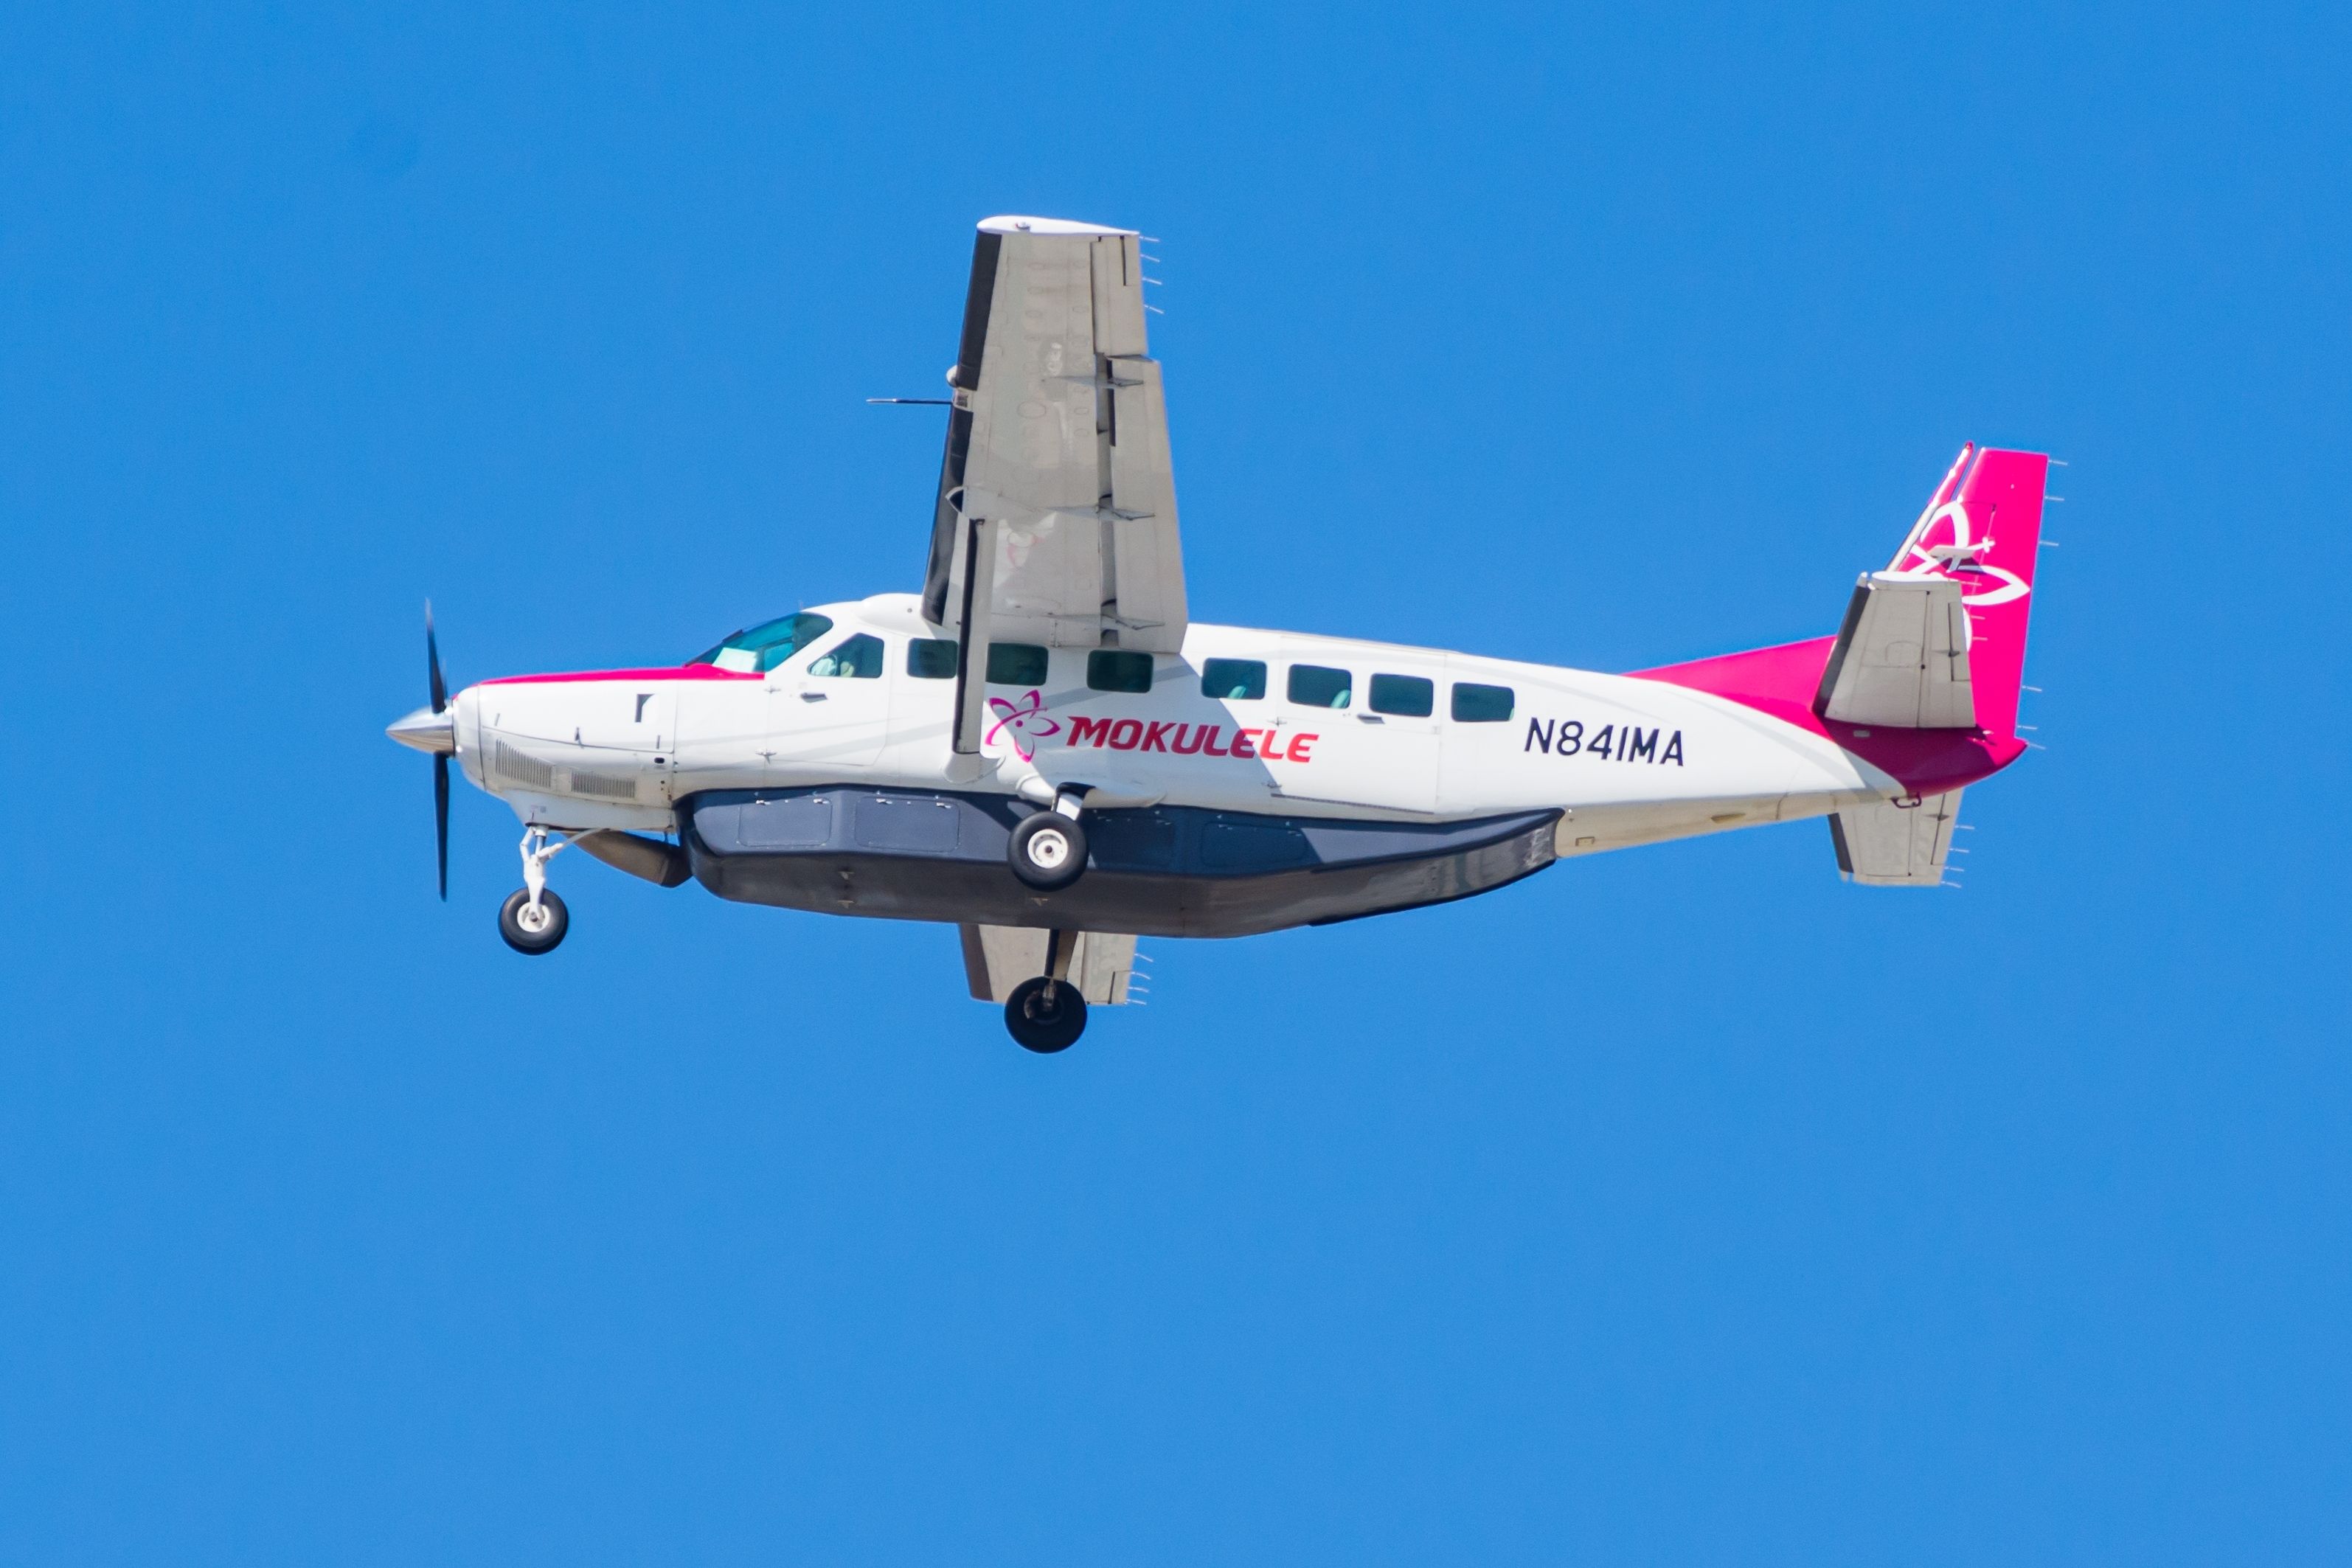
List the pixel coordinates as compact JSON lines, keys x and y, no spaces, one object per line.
{"x":521,"y":767}
{"x":610,"y":787}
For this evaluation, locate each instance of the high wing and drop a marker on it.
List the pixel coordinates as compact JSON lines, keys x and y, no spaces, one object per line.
{"x":1056,"y":520}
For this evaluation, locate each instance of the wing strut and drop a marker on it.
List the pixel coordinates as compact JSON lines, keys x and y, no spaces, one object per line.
{"x":972,"y":635}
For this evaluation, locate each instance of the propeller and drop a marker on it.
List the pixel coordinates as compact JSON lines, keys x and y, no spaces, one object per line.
{"x":440,"y":692}
{"x":434,"y":730}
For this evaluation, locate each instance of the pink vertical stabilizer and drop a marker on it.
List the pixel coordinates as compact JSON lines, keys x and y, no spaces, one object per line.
{"x":1983,"y":529}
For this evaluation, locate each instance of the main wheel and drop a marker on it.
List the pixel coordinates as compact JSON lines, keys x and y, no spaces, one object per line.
{"x":1046,"y":1015}
{"x":533,"y":931}
{"x":1048,"y":850}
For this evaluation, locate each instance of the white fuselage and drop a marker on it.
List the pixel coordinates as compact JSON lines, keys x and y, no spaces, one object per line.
{"x":1629,"y":761}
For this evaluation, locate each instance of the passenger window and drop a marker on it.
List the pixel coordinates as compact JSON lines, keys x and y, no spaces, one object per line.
{"x":1481,"y":704}
{"x":1407,"y":696}
{"x":1234,"y":679}
{"x":929,"y":658}
{"x":1016,"y":664}
{"x":1312,"y":685}
{"x":1115,"y":669}
{"x":859,"y":658}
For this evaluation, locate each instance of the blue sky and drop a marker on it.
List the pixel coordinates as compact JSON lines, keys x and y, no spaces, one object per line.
{"x":1682,"y":1205}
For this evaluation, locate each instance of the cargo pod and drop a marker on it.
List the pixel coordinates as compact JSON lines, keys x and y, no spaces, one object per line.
{"x":1154,"y":871}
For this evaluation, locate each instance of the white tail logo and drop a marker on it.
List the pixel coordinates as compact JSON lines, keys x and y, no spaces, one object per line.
{"x":1960,"y":559}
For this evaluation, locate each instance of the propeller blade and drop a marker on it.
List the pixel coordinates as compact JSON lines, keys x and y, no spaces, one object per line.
{"x":439,"y":688}
{"x":440,"y":693}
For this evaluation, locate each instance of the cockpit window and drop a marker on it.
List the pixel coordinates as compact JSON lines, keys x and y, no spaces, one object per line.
{"x":766,"y":645}
{"x":858,"y":658}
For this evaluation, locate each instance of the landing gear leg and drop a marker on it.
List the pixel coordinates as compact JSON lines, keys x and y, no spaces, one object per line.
{"x":533,"y":918}
{"x":1049,"y":849}
{"x":1047,"y":1014}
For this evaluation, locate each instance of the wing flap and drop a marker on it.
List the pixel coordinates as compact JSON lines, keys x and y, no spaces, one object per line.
{"x":1145,"y":565}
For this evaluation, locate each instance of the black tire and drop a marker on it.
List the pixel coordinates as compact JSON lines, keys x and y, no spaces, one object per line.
{"x":1046,"y":1015}
{"x":1048,"y":850}
{"x":545,"y":940}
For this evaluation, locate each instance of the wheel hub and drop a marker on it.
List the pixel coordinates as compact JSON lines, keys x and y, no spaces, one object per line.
{"x":1046,"y":1014}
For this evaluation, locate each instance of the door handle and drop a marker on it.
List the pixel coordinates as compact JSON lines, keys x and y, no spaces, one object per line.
{"x":812,"y":695}
{"x":1369,"y":719}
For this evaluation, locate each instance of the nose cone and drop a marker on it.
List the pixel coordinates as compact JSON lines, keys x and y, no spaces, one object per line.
{"x":427,"y":731}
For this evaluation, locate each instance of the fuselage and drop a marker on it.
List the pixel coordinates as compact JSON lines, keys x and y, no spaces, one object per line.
{"x":1242,"y":721}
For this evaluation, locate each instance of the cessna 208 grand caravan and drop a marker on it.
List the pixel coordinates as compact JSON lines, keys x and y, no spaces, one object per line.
{"x":1044,"y":748}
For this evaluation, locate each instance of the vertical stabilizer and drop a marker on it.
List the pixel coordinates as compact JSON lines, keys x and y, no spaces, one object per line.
{"x":1981,"y":530}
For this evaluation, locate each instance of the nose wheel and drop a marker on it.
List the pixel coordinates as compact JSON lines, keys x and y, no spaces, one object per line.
{"x":533,"y":928}
{"x":533,"y":918}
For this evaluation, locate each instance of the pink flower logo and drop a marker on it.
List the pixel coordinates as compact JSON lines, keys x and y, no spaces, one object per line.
{"x":1028,"y":721}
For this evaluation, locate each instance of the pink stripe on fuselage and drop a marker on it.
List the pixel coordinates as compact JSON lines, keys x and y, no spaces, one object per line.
{"x":1782,"y":681}
{"x":673,"y":673}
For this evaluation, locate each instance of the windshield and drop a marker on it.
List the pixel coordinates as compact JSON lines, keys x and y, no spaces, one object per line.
{"x":766,"y":645}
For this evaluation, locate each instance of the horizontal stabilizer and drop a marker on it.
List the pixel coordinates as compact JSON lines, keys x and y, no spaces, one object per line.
{"x":1901,"y":658}
{"x":998,"y":958}
{"x":1890,"y":845}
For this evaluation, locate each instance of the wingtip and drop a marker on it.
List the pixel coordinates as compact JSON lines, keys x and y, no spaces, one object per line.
{"x":1016,"y":223}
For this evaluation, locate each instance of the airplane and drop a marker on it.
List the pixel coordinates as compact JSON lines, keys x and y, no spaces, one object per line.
{"x":1044,"y":750}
